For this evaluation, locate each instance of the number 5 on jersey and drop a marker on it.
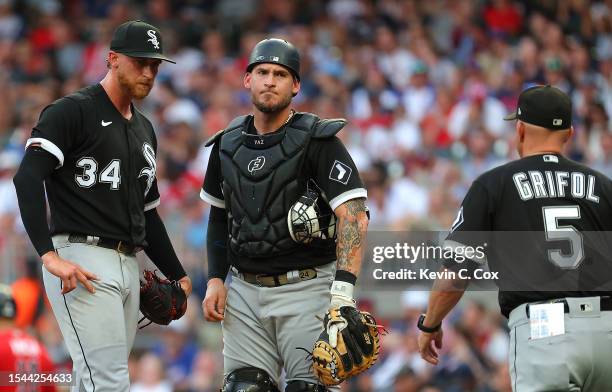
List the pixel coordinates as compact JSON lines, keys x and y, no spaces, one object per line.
{"x":110,"y":175}
{"x":556,"y":232}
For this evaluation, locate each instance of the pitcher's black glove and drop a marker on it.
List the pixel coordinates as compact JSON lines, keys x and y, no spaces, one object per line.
{"x":161,"y":300}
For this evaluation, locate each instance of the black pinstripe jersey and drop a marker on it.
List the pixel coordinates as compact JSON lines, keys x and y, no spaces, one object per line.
{"x":105,"y":175}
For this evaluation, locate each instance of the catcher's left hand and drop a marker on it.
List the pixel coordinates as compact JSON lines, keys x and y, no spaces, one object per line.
{"x":161,"y":300}
{"x":348,"y":345}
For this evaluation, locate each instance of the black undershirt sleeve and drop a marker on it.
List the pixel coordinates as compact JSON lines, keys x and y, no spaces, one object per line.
{"x":36,"y":165}
{"x":160,"y":249}
{"x":216,"y":243}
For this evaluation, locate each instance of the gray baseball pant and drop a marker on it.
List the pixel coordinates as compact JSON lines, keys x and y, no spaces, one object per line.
{"x":578,"y":361}
{"x":99,"y":328}
{"x":265,"y":326}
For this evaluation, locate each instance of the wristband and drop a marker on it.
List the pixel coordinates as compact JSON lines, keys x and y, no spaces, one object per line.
{"x":342,"y":289}
{"x":427,"y":329}
{"x":345,"y":276}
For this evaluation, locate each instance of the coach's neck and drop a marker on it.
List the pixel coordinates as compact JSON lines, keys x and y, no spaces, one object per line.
{"x":535,"y":140}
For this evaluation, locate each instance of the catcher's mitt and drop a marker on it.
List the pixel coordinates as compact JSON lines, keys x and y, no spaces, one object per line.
{"x":161,"y":300}
{"x":348,"y":345}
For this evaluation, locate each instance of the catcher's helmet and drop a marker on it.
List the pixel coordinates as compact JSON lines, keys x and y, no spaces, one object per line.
{"x":311,"y":220}
{"x":275,"y":51}
{"x":8,"y":308}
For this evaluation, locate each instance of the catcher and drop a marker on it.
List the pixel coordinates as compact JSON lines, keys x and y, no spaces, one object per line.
{"x":288,"y":220}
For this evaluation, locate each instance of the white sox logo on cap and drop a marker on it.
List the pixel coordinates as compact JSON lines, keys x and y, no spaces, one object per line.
{"x":153,"y":39}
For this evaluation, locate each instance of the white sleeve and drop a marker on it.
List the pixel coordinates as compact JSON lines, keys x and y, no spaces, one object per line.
{"x":356,"y":193}
{"x":213,"y":201}
{"x":49,"y":147}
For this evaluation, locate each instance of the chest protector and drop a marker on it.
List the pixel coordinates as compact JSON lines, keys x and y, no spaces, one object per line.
{"x":262,"y":179}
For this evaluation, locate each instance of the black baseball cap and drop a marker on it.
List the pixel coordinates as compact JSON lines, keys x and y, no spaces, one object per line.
{"x":545,"y":106}
{"x":138,"y":39}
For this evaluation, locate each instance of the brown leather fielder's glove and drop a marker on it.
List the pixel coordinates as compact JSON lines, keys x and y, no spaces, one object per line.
{"x":161,"y":300}
{"x":348,"y":345}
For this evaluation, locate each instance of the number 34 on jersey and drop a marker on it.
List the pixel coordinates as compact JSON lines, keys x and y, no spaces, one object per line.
{"x":90,"y":172}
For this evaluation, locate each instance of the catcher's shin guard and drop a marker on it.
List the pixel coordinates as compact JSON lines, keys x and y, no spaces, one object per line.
{"x":304,"y":386}
{"x":249,"y":379}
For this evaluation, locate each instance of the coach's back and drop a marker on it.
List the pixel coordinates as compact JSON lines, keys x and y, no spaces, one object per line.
{"x":551,"y":220}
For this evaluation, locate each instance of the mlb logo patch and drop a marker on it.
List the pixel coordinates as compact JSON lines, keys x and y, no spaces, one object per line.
{"x":557,"y":122}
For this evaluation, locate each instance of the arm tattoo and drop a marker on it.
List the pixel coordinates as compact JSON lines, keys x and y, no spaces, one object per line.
{"x":351,"y":236}
{"x":355,"y":206}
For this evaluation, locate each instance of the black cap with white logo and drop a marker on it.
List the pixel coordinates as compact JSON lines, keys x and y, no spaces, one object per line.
{"x":138,"y":39}
{"x":545,"y":106}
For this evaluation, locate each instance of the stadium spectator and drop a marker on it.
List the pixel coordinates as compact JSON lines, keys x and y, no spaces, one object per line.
{"x":424,"y":85}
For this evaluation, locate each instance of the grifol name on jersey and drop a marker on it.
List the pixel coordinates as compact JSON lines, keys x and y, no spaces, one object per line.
{"x":553,"y":184}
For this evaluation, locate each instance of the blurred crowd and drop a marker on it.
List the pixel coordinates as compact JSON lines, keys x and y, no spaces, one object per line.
{"x":424,"y":85}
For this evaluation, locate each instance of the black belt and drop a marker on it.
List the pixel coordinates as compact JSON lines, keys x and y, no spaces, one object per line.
{"x":605,"y":304}
{"x":118,"y":245}
{"x":265,"y":280}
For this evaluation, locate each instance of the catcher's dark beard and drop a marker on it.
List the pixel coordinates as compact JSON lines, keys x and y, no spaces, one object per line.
{"x":271,"y":108}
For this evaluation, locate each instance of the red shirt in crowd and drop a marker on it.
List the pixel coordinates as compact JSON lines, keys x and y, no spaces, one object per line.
{"x":503,"y":18}
{"x":21,"y":353}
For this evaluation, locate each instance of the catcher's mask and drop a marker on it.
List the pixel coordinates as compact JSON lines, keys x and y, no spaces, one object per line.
{"x":311,"y":220}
